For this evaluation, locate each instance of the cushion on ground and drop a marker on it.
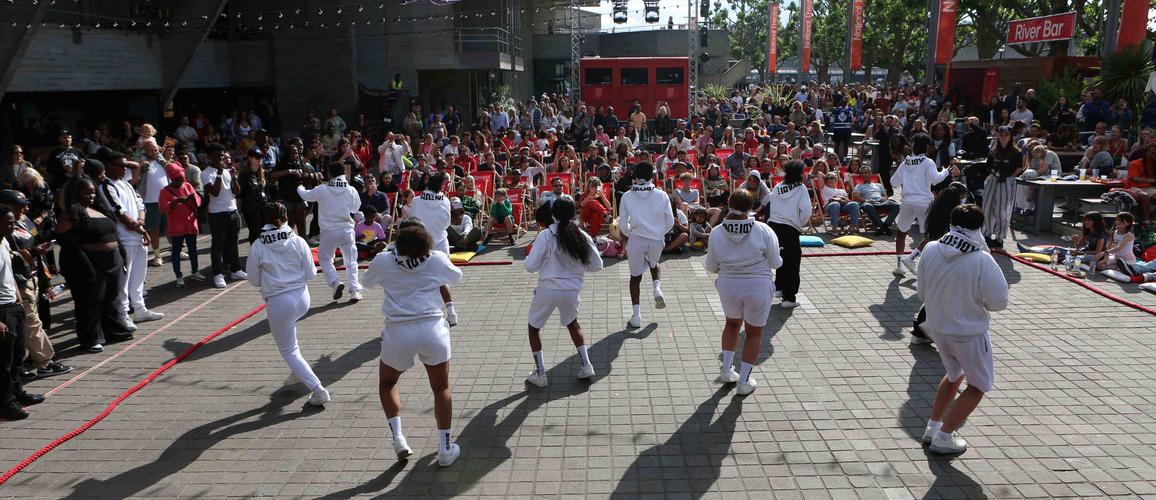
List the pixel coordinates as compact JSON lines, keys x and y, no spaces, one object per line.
{"x":1036,"y":257}
{"x":811,"y":241}
{"x":852,"y":241}
{"x":1116,"y":275}
{"x":462,"y":257}
{"x":1150,"y":287}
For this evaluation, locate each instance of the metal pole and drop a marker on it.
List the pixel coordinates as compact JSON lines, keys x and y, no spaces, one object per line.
{"x":692,"y":56}
{"x":575,"y":55}
{"x":932,"y":38}
{"x":1111,"y":28}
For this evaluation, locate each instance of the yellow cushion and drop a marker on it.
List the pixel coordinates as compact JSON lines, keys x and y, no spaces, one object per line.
{"x":462,"y":257}
{"x":1039,"y":258}
{"x":852,"y":241}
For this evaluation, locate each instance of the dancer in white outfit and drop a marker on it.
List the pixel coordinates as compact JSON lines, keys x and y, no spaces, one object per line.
{"x":336,"y":201}
{"x":412,"y":275}
{"x":562,"y":254}
{"x":281,"y":265}
{"x":916,"y":175}
{"x":644,"y":216}
{"x":432,"y":209}
{"x":745,"y":254}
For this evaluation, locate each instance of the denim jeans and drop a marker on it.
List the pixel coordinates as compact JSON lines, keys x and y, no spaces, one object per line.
{"x":872,"y":212}
{"x":188,"y":241}
{"x":850,"y":207}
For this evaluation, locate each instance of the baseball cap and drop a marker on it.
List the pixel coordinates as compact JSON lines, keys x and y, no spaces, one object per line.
{"x":455,"y":203}
{"x":13,"y":197}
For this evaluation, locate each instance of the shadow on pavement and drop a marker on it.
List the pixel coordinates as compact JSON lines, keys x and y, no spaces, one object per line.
{"x":895,"y":305}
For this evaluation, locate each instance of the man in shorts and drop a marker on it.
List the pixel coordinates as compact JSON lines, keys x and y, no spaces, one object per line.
{"x":915,"y":175}
{"x":645,"y":216}
{"x":960,"y":284}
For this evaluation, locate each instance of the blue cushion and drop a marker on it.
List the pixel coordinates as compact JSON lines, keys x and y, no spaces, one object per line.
{"x":811,"y":241}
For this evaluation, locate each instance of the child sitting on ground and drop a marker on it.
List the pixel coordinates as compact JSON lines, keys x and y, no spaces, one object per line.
{"x":371,"y":236}
{"x":1119,"y":252}
{"x":699,"y":229}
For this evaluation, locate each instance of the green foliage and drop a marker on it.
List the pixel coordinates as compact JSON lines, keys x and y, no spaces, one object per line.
{"x":1124,"y":74}
{"x":715,"y":91}
{"x":501,"y":95}
{"x":1067,"y":84}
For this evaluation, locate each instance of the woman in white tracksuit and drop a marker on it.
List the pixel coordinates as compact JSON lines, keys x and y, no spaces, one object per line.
{"x":412,"y":275}
{"x":561,"y":255}
{"x":744,"y":253}
{"x":281,"y":265}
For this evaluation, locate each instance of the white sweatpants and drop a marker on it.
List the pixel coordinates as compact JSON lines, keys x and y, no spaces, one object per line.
{"x":338,"y":239}
{"x":283,"y":310}
{"x":131,"y":291}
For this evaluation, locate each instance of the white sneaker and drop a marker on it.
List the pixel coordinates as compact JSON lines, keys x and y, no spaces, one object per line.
{"x":355,"y":297}
{"x":747,"y":387}
{"x":292,"y":379}
{"x":144,"y":315}
{"x":586,"y":372}
{"x":950,"y":446}
{"x":239,"y":275}
{"x":929,"y":432}
{"x":401,"y":447}
{"x":898,"y":272}
{"x":128,"y":323}
{"x":447,"y":457}
{"x":909,"y":263}
{"x":155,"y":262}
{"x":537,"y":380}
{"x":452,"y":317}
{"x":659,"y":302}
{"x":634,"y":322}
{"x":219,"y":281}
{"x":728,"y":375}
{"x":789,"y":304}
{"x":320,"y":397}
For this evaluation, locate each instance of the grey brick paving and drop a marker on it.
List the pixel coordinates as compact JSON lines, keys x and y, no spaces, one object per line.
{"x":842,"y":401}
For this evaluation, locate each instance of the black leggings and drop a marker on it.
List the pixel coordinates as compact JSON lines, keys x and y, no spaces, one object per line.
{"x":787,"y":277}
{"x":95,"y":297}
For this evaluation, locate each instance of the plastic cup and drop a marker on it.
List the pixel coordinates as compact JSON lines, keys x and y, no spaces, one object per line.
{"x":1083,"y":173}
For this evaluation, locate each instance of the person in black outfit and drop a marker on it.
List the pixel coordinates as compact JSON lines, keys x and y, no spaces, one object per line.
{"x":883,"y":151}
{"x":64,"y":162}
{"x":13,"y":397}
{"x":252,"y":198}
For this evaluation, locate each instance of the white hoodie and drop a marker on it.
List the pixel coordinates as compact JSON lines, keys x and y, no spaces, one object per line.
{"x":790,"y":205}
{"x":743,"y":249}
{"x":916,"y":175}
{"x":335,"y":201}
{"x":556,"y":269}
{"x":960,"y":284}
{"x":433,"y":210}
{"x":645,"y":212}
{"x":279,"y":261}
{"x":411,"y":285}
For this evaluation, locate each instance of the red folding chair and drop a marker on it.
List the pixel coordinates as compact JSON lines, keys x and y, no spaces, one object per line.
{"x":567,"y":181}
{"x":484,"y":181}
{"x":692,"y":156}
{"x":723,"y":153}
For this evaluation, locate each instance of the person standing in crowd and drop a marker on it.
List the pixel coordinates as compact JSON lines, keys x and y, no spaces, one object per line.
{"x":336,"y":201}
{"x":961,"y":285}
{"x":222,"y":187}
{"x":432,"y":209}
{"x":841,"y":118}
{"x":152,"y":180}
{"x":179,"y":202}
{"x":389,"y":156}
{"x":288,"y":175}
{"x":133,"y":238}
{"x":10,"y":174}
{"x":790,"y":209}
{"x":744,"y":253}
{"x":412,"y":276}
{"x":644,"y":218}
{"x":26,"y":244}
{"x":883,"y":154}
{"x":280,"y":264}
{"x":1005,"y":163}
{"x":91,"y":264}
{"x":561,"y":255}
{"x":252,"y":195}
{"x":916,"y":174}
{"x":13,"y":397}
{"x":64,"y":161}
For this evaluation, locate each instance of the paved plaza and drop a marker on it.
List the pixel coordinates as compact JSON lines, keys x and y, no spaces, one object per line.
{"x":842,"y":400}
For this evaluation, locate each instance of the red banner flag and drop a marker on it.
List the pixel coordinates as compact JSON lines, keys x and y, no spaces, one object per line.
{"x":856,"y":35}
{"x":1132,"y":24}
{"x":945,"y":37}
{"x":805,"y":62}
{"x":773,"y":42}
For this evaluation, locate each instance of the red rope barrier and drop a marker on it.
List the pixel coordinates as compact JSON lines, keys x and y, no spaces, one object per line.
{"x":1097,"y":291}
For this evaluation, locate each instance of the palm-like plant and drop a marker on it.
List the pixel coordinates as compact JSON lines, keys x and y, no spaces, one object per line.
{"x":713,"y":91}
{"x":1124,"y":74}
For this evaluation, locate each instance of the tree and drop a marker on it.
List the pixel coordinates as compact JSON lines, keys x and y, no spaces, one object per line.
{"x":829,"y":36}
{"x":746,"y":22}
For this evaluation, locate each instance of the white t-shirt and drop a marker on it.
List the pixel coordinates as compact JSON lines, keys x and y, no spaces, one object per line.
{"x":225,"y":201}
{"x":155,"y":179}
{"x":130,"y":205}
{"x":7,"y":279}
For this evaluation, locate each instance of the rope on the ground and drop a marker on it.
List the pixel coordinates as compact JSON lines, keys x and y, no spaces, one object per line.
{"x":1097,"y":291}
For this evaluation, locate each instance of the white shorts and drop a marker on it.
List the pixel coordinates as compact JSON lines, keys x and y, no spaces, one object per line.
{"x":643,"y":254}
{"x":967,"y":356}
{"x":443,"y":245}
{"x":909,"y":213}
{"x":428,"y":340}
{"x":546,"y":300}
{"x":746,"y":299}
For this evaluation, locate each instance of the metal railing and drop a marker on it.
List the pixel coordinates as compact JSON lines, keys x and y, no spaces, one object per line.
{"x":487,"y":40}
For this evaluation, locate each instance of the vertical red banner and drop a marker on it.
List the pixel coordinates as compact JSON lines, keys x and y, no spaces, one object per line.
{"x":805,"y":62}
{"x":1132,"y":23}
{"x":773,"y":38}
{"x":990,"y":83}
{"x":945,"y":37}
{"x":856,"y":35}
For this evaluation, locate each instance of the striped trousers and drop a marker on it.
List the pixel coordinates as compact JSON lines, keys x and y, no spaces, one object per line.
{"x":998,"y":201}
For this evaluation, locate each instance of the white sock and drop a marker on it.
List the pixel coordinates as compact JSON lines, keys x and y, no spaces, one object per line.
{"x":539,"y":365}
{"x":637,"y":310}
{"x":939,"y":434}
{"x":584,"y":353}
{"x":450,"y":306}
{"x":395,"y":426}
{"x":934,"y":425}
{"x":745,"y":371}
{"x":657,"y":287}
{"x":728,"y":360}
{"x":444,"y":439}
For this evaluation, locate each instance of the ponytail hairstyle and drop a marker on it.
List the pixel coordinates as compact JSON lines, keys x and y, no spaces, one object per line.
{"x":570,"y":237}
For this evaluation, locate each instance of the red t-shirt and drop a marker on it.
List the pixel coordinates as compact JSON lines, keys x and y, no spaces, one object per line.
{"x":1136,"y":169}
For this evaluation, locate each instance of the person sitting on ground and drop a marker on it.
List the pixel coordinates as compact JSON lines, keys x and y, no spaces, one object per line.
{"x":1120,"y":252}
{"x":372,"y":237}
{"x":462,"y":234}
{"x":678,"y":234}
{"x":699,"y":229}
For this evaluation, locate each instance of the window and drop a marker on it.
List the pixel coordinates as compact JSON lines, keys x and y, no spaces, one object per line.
{"x":668,"y":76}
{"x":599,"y":76}
{"x":635,"y":76}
